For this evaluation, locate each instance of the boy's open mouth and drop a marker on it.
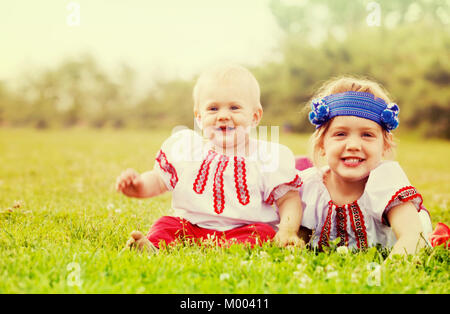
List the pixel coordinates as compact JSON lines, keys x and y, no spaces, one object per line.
{"x":225,"y":129}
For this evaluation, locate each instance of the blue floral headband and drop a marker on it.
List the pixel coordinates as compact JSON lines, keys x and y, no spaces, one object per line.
{"x":358,"y":104}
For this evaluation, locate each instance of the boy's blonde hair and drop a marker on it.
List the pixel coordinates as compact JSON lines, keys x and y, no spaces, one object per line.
{"x":227,"y":74}
{"x":341,"y":85}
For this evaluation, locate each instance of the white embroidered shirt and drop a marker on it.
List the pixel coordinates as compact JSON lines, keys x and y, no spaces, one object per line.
{"x":221,"y":192}
{"x":362,"y":223}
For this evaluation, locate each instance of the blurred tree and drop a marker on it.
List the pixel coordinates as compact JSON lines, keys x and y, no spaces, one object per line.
{"x":402,"y":44}
{"x":4,"y":103}
{"x":408,"y":53}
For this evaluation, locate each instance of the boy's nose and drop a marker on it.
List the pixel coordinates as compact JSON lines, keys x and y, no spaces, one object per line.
{"x":223,"y":114}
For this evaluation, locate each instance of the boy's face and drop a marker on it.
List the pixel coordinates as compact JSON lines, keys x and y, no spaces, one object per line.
{"x":226,"y":113}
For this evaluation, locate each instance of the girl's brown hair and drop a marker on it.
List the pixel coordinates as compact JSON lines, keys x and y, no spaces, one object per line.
{"x":341,"y":85}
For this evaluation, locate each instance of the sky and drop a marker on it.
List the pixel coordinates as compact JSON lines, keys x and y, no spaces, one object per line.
{"x":170,"y":38}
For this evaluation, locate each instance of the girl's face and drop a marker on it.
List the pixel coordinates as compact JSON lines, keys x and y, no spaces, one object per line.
{"x":353,"y":147}
{"x":226,"y":114}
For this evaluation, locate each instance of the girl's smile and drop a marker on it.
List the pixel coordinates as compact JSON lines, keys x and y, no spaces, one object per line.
{"x":352,"y":161}
{"x":353,"y":147}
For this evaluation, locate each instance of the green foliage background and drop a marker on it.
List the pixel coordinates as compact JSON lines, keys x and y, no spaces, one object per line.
{"x":409,"y":53}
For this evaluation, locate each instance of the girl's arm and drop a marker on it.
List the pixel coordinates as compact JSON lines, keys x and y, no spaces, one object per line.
{"x":133,"y":184}
{"x":405,"y":223}
{"x":290,"y":210}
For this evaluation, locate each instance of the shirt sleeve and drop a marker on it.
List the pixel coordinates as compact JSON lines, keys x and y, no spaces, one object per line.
{"x":387,"y":187}
{"x":172,"y":154}
{"x":311,"y":194}
{"x":281,"y":176}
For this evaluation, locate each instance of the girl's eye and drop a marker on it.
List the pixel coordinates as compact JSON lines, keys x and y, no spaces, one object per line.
{"x":366,"y":134}
{"x":339,"y":134}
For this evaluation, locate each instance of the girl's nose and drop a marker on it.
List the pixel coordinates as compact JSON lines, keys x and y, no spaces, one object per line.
{"x":353,"y":143}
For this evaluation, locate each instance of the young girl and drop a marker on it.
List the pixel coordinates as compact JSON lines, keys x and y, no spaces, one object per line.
{"x":224,"y":183}
{"x":358,"y":197}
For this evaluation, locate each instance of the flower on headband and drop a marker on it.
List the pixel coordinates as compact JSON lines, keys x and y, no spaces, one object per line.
{"x":320,"y":112}
{"x":389,"y":116}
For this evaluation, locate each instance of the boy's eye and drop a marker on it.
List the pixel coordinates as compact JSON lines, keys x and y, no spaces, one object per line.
{"x":234,"y":107}
{"x":212,"y":109}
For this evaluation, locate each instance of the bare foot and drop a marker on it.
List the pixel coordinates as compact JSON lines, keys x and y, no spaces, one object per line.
{"x":141,"y":243}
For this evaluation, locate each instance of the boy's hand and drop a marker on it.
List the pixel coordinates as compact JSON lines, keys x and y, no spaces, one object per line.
{"x":130,"y":183}
{"x":290,"y":209}
{"x":284,"y":238}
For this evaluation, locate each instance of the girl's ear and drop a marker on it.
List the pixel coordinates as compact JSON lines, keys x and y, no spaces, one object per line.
{"x":322,"y":152}
{"x":387,"y":145}
{"x":321,"y":148}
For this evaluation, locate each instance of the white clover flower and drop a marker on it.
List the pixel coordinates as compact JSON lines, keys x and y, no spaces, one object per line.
{"x":354,"y":278}
{"x":289,"y":258}
{"x":332,"y":274}
{"x":319,"y":269}
{"x":304,"y":281}
{"x":301,"y":267}
{"x":110,"y":206}
{"x":246,"y":263}
{"x":224,"y":276}
{"x":329,"y":268}
{"x":342,"y":250}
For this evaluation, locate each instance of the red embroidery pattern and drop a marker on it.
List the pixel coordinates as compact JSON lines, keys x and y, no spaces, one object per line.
{"x":203,"y":172}
{"x":219,"y":195}
{"x":325,"y":233}
{"x":240,"y":180}
{"x":297,"y":183}
{"x":167,"y":167}
{"x":358,"y":225}
{"x":341,"y":225}
{"x":405,"y":194}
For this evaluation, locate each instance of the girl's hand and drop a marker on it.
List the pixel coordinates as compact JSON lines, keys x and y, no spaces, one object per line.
{"x":284,"y":238}
{"x":130,"y":183}
{"x":408,"y":230}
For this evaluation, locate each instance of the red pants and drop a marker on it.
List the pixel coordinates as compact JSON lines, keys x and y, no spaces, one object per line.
{"x":169,"y":229}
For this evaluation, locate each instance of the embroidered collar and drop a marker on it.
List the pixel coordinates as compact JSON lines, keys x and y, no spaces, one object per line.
{"x":323,"y":172}
{"x":252,"y":147}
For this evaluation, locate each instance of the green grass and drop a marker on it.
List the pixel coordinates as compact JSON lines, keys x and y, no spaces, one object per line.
{"x":58,"y":207}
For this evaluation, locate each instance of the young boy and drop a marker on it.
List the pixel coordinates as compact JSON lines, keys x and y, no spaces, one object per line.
{"x":224,"y":183}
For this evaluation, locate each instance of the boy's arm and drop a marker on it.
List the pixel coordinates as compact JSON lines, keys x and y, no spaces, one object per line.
{"x":290,"y":211}
{"x":133,"y":184}
{"x":405,"y":223}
